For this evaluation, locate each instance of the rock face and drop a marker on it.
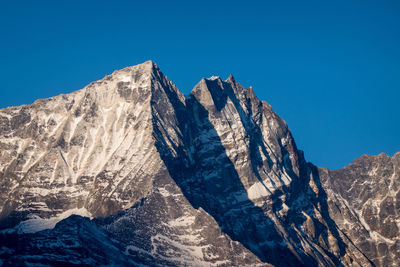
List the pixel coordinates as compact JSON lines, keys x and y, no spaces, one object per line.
{"x":364,"y":199}
{"x":210,"y":179}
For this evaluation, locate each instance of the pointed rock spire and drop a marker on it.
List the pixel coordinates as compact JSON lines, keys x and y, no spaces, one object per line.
{"x":230,"y":78}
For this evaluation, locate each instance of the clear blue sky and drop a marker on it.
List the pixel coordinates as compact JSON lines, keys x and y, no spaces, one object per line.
{"x":331,"y":69}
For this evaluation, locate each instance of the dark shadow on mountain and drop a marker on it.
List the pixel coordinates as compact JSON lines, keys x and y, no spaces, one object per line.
{"x":220,"y":92}
{"x":256,"y":143}
{"x":208,"y":179}
{"x":299,"y":181}
{"x":255,"y":134}
{"x":74,"y":241}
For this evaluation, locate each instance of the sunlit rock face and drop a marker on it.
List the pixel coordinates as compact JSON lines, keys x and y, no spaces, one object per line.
{"x":152,"y":177}
{"x":91,"y":149}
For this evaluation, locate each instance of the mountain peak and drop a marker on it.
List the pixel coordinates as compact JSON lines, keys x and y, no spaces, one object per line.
{"x":145,"y":67}
{"x":214,"y":91}
{"x":148,"y":63}
{"x":213,"y":179}
{"x":230,"y":78}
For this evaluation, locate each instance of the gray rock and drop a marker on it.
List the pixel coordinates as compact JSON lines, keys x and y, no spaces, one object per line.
{"x":211,"y":179}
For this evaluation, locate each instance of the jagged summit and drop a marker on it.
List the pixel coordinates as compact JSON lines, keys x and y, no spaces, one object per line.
{"x":148,"y":65}
{"x":230,"y":78}
{"x":146,"y":68}
{"x":214,"y":78}
{"x":212,"y":179}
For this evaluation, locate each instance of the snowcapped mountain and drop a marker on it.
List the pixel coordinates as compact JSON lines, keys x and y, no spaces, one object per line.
{"x":155,"y":178}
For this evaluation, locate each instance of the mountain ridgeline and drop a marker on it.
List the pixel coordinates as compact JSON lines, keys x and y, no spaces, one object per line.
{"x":128,"y":171}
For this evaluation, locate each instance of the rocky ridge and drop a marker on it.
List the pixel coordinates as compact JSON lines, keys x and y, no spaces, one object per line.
{"x":210,"y":179}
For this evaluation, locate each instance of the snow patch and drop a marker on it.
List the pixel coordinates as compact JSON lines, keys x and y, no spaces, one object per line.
{"x":126,"y":78}
{"x":257,"y":190}
{"x":36,"y":224}
{"x":182,"y":221}
{"x":212,"y":78}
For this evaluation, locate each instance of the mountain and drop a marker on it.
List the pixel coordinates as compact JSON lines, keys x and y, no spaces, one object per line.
{"x":130,"y":172}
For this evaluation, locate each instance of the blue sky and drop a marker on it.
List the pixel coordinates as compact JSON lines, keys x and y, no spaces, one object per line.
{"x":331,"y":69}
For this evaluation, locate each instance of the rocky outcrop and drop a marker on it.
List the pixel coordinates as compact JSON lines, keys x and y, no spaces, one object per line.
{"x":364,"y":199}
{"x":213,"y":178}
